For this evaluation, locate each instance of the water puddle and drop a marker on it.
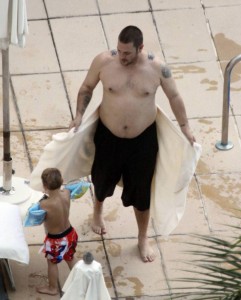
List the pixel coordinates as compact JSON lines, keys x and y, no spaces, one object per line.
{"x":225,"y":192}
{"x":188,"y":69}
{"x":137,"y":285}
{"x":112,"y":215}
{"x":114,"y":249}
{"x":212,"y":85}
{"x":226,"y":48}
{"x":117,"y":271}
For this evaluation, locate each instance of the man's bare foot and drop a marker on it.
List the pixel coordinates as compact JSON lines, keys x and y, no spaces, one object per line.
{"x":47,"y":290}
{"x":146,"y":251}
{"x":98,"y":224}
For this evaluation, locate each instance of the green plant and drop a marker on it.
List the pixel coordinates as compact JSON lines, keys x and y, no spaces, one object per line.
{"x":218,"y":274}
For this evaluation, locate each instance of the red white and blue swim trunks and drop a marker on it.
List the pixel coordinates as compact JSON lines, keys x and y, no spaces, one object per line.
{"x":58,"y":247}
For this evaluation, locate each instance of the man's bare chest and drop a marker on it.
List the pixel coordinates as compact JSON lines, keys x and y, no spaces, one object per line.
{"x":140,"y":83}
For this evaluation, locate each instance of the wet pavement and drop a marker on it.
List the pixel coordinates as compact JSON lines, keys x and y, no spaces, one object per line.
{"x":197,"y":39}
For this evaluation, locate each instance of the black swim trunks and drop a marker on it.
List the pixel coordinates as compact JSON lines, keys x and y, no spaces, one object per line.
{"x":132,"y":159}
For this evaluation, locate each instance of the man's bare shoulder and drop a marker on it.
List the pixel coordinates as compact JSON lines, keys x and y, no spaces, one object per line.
{"x":101,"y":60}
{"x":160,"y":66}
{"x":106,"y":56}
{"x":157,"y":64}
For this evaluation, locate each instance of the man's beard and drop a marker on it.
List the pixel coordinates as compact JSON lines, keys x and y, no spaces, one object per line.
{"x":126,"y":62}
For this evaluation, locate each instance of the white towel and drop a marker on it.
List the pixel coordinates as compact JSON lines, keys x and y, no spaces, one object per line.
{"x":12,"y":240}
{"x":73,"y":154}
{"x":85,"y":282}
{"x":175,"y":167}
{"x":13,"y":23}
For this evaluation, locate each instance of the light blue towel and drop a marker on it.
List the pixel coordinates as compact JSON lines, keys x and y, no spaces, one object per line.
{"x":35,"y":215}
{"x":77,"y":189}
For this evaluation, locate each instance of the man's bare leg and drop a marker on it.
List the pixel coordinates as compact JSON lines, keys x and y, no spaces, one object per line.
{"x":98,"y":224}
{"x":146,"y":251}
{"x":52,"y":288}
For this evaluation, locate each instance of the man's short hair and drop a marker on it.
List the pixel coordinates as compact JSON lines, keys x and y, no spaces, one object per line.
{"x":131,"y":34}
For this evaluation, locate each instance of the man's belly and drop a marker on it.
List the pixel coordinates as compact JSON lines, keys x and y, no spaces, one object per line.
{"x":127,"y":126}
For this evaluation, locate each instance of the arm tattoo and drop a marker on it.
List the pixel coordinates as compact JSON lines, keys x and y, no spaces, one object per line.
{"x":166,"y":72}
{"x":86,"y":101}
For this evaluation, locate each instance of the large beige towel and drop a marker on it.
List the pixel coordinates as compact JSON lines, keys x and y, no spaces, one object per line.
{"x":176,"y":164}
{"x":73,"y":154}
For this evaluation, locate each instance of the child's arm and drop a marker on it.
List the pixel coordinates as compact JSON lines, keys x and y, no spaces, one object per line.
{"x":35,"y":214}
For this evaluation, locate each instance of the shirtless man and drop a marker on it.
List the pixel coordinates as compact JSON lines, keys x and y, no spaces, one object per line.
{"x":125,"y":139}
{"x":61,"y":239}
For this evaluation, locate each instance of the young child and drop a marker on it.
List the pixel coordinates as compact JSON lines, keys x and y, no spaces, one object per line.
{"x":61,"y":239}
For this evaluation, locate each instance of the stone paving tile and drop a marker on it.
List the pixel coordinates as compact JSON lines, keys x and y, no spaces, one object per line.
{"x":220,"y":3}
{"x":180,"y":44}
{"x":224,"y":24}
{"x":34,"y":235}
{"x":35,"y":9}
{"x":39,"y":97}
{"x":221,"y":195}
{"x":78,"y":43}
{"x":208,"y":133}
{"x":178,"y":260}
{"x":129,"y":272}
{"x":69,"y":8}
{"x":35,"y":58}
{"x":172,"y":4}
{"x":124,"y":6}
{"x":238,"y":120}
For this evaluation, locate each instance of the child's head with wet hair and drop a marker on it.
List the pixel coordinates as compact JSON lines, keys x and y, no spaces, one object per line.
{"x":51,"y":179}
{"x":88,"y":258}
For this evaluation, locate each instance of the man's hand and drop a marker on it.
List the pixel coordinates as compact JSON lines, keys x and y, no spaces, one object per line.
{"x":76,"y":123}
{"x":188,"y":134}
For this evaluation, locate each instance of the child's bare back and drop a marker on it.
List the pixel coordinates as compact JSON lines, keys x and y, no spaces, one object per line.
{"x":57,"y":206}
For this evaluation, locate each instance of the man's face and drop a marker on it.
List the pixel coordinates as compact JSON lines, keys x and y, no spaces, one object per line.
{"x":127,"y":53}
